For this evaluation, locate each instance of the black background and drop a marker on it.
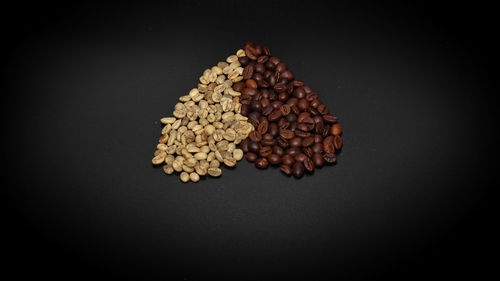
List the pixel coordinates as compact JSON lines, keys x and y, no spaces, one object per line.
{"x":88,"y":83}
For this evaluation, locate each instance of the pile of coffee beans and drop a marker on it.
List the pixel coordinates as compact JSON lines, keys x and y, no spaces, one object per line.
{"x":293,"y":128}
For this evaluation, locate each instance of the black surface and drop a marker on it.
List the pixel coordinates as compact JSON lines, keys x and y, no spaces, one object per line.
{"x":87,"y":85}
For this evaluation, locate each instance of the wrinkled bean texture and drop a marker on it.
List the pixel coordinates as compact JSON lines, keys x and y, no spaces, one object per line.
{"x":293,"y":126}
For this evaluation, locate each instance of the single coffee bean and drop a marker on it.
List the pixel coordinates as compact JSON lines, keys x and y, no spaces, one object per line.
{"x":276,"y":104}
{"x":302,"y":116}
{"x":315,"y":103}
{"x":300,"y":157}
{"x":278,"y":150}
{"x":262,"y":128}
{"x":308,"y":164}
{"x":260,"y":68}
{"x":265,"y":102}
{"x":266,"y":51}
{"x":270,"y":142}
{"x":244,"y":60}
{"x":291,"y":118}
{"x":267,"y":110}
{"x":298,"y":169}
{"x":249,"y":91}
{"x":287,"y":74}
{"x":251,"y":157}
{"x":244,"y":145}
{"x":262,"y":163}
{"x":308,"y":151}
{"x":328,"y":145}
{"x":296,"y":142}
{"x":286,"y":170}
{"x":286,"y":134}
{"x":299,"y":93}
{"x":288,"y":160}
{"x":281,"y":67}
{"x":303,"y":104}
{"x":295,"y":109}
{"x":239,"y":86}
{"x":250,"y":83}
{"x":317,"y":147}
{"x":285,"y":109}
{"x":248,"y":72}
{"x":265,"y":151}
{"x":283,"y":96}
{"x":279,"y":87}
{"x":330,"y":158}
{"x":318,"y":139}
{"x":297,"y":83}
{"x":336,"y":129}
{"x":319,"y":127}
{"x":292,"y":101}
{"x":253,"y":147}
{"x":293,"y":151}
{"x":274,"y":60}
{"x":313,"y":111}
{"x":307,"y":89}
{"x":318,"y":159}
{"x":311,"y":96}
{"x":249,"y":51}
{"x":302,"y":134}
{"x":269,"y":65}
{"x":308,"y":141}
{"x":323,"y":109}
{"x":274,"y":159}
{"x":275,"y":115}
{"x":262,"y":59}
{"x":337,"y":141}
{"x":255,"y":136}
{"x":330,"y":118}
{"x":258,"y":50}
{"x":273,"y":129}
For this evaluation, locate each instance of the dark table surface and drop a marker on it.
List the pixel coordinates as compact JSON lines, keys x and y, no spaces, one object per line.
{"x":87,"y":87}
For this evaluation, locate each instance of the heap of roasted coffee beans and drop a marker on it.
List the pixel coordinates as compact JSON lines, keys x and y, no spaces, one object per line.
{"x":294,"y":128}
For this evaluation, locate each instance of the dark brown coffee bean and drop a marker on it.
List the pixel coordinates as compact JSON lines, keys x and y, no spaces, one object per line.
{"x":295,"y":109}
{"x":307,"y":141}
{"x":279,"y":87}
{"x":282,"y":142}
{"x":266,"y":51}
{"x":273,"y":129}
{"x":318,"y":159}
{"x":313,"y":111}
{"x":287,"y":74}
{"x":300,"y":157}
{"x":292,"y":101}
{"x":248,"y":72}
{"x":291,"y":118}
{"x":245,"y":109}
{"x":251,"y":157}
{"x":298,"y":170}
{"x":326,"y":131}
{"x":302,"y":134}
{"x":323,"y":109}
{"x":286,"y":170}
{"x":303,"y":127}
{"x":330,"y":118}
{"x":302,"y":116}
{"x":270,"y":66}
{"x":253,"y":147}
{"x":255,"y":136}
{"x":329,"y":147}
{"x":293,"y":151}
{"x":290,"y":88}
{"x":260,"y":68}
{"x":308,"y":151}
{"x":308,"y":164}
{"x":292,"y":127}
{"x":244,"y":145}
{"x":253,"y":121}
{"x":249,"y":51}
{"x":283,"y":96}
{"x":262,"y":59}
{"x":262,"y":128}
{"x":278,"y":150}
{"x":297,"y":83}
{"x":317,"y":147}
{"x":315,"y":103}
{"x":265,"y":151}
{"x":274,"y":60}
{"x":285,"y":109}
{"x":286,"y":134}
{"x":244,"y":60}
{"x":264,"y":102}
{"x":280,"y":67}
{"x":319,"y":127}
{"x":267,"y":110}
{"x":250,"y":83}
{"x":258,"y":50}
{"x":311,"y":96}
{"x":288,"y":159}
{"x":303,"y":104}
{"x":249,"y":91}
{"x":307,"y":89}
{"x":239,"y":86}
{"x":255,"y":105}
{"x":299,"y":93}
{"x":336,"y":129}
{"x":276,"y":104}
{"x":274,"y":159}
{"x":318,"y":139}
{"x":268,"y":142}
{"x":274,"y":116}
{"x":330,"y":158}
{"x":337,"y":141}
{"x":262,"y":163}
{"x":296,"y":142}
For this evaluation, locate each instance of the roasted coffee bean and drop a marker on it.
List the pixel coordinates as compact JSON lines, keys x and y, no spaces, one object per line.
{"x":258,"y":50}
{"x":290,"y":88}
{"x":307,"y":141}
{"x":255,"y":136}
{"x":285,"y":109}
{"x":266,"y":51}
{"x":328,"y":144}
{"x":239,"y":86}
{"x":313,"y":111}
{"x":250,"y":54}
{"x":318,"y":159}
{"x":269,"y":65}
{"x":244,"y":60}
{"x":244,"y":145}
{"x":248,"y":72}
{"x":278,"y":150}
{"x":262,"y":128}
{"x":262,"y":59}
{"x":292,"y":101}
{"x":274,"y":159}
{"x":303,"y":104}
{"x":276,"y":104}
{"x":311,"y":96}
{"x":307,"y":89}
{"x":245,"y":109}
{"x":265,"y":151}
{"x":293,"y":151}
{"x":295,"y":109}
{"x":308,"y":151}
{"x":262,"y":163}
{"x":299,"y":93}
{"x":315,"y":103}
{"x":308,"y":164}
{"x":337,"y":141}
{"x":302,"y":116}
{"x":273,"y":129}
{"x":286,"y":169}
{"x":250,"y":83}
{"x":249,"y":91}
{"x":255,"y":105}
{"x":260,"y":68}
{"x":283,"y":96}
{"x":296,"y":142}
{"x":274,"y":60}
{"x":326,"y":131}
{"x":330,"y":158}
{"x":309,"y":122}
{"x":275,"y":115}
{"x":268,"y":142}
{"x":319,"y":127}
{"x":264,"y":102}
{"x":318,"y":139}
{"x":300,"y":157}
{"x":291,"y":118}
{"x":288,"y":160}
{"x":303,"y":127}
{"x":282,"y":142}
{"x":330,"y":118}
{"x":302,"y":134}
{"x":253,"y":147}
{"x":267,"y":110}
{"x":323,"y":109}
{"x":251,"y":157}
{"x":279,"y":87}
{"x":317,"y":147}
{"x":287,"y":74}
{"x":286,"y":134}
{"x":297,"y":83}
{"x":298,"y":170}
{"x":293,"y":126}
{"x":336,"y":129}
{"x":280,"y":67}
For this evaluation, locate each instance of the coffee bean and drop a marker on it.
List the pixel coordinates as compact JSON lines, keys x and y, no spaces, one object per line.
{"x":330,"y":158}
{"x":281,"y":67}
{"x":262,"y":163}
{"x":307,"y":141}
{"x":328,"y":145}
{"x":302,"y":134}
{"x":274,"y":60}
{"x":244,"y":145}
{"x":323,"y":109}
{"x":288,"y":160}
{"x":286,"y":134}
{"x":330,"y":118}
{"x":287,"y":74}
{"x":317,"y":147}
{"x":308,"y":164}
{"x":299,"y":93}
{"x":262,"y":59}
{"x":273,"y":129}
{"x":315,"y":103}
{"x":278,"y":150}
{"x":274,"y":159}
{"x":285,"y":109}
{"x":248,"y":72}
{"x":255,"y":136}
{"x":267,"y":110}
{"x":279,"y":87}
{"x":300,"y":157}
{"x":308,"y":151}
{"x":250,"y":83}
{"x":265,"y":151}
{"x":262,"y":128}
{"x":251,"y":157}
{"x":336,"y":129}
{"x":253,"y":147}
{"x":296,"y":142}
{"x":291,"y":118}
{"x":260,"y":68}
{"x":302,"y":116}
{"x":286,"y":169}
{"x":266,"y":51}
{"x":298,"y":170}
{"x":318,"y":159}
{"x":275,"y":115}
{"x":337,"y":141}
